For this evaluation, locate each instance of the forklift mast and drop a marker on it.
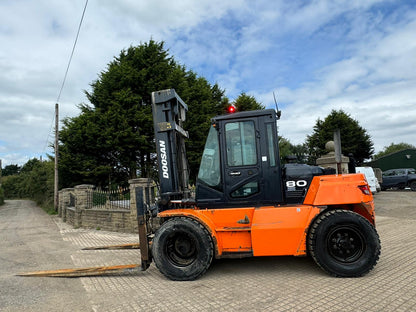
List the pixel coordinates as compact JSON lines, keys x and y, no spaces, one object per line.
{"x":169,"y":112}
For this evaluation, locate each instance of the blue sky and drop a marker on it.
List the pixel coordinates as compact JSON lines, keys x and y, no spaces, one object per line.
{"x":359,"y":56}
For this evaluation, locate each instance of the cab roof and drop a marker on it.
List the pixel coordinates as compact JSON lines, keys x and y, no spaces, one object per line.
{"x":247,"y":114}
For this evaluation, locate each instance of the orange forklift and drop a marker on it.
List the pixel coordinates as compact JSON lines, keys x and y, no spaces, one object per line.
{"x":247,"y":204}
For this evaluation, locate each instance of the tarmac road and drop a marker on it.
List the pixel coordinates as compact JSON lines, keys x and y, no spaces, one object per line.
{"x":30,"y":240}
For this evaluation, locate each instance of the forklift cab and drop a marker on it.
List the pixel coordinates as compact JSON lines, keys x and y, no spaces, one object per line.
{"x":240,"y":165}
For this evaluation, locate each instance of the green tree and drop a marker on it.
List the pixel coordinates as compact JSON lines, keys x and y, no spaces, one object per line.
{"x":10,"y":170}
{"x":85,"y":155}
{"x":246,"y":102}
{"x":243,"y":102}
{"x":1,"y":196}
{"x":112,"y":139}
{"x":392,"y":148}
{"x":286,"y":148}
{"x":34,"y":181}
{"x":11,"y":186}
{"x":354,"y":138}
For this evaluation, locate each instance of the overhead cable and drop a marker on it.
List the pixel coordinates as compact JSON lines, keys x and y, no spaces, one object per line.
{"x":66,"y":72}
{"x":72,"y":53}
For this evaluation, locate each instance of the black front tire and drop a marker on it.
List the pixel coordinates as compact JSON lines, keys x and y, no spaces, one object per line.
{"x":182,"y":249}
{"x":343,"y":243}
{"x":413,"y":185}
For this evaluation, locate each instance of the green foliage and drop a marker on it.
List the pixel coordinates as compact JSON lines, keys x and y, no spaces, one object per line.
{"x":285,"y":148}
{"x":1,"y":196}
{"x":10,"y":170}
{"x":392,"y":148}
{"x":354,"y":138}
{"x":10,"y":185}
{"x":288,"y":149}
{"x":35,"y":181}
{"x":112,"y":140}
{"x":243,"y":102}
{"x":246,"y":102}
{"x":99,"y":198}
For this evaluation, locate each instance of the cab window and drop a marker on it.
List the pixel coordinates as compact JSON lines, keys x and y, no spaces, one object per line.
{"x":246,"y":190}
{"x":241,"y":143}
{"x":271,"y":144}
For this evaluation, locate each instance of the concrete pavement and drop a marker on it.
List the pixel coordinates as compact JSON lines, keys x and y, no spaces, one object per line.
{"x":31,"y":241}
{"x":254,"y":284}
{"x":258,"y":284}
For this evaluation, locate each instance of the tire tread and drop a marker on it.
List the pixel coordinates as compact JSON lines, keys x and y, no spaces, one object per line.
{"x":312,"y":237}
{"x":210,"y":248}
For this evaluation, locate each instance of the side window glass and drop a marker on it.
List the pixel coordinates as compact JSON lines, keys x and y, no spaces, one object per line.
{"x":246,"y":190}
{"x":241,"y":143}
{"x":271,"y":144}
{"x":209,"y":170}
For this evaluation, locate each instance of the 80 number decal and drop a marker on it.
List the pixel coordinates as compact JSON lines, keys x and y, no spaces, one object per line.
{"x":299,"y":183}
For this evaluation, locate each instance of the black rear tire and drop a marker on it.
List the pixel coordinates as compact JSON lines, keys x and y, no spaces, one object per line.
{"x":182,"y":249}
{"x":343,"y":243}
{"x":413,"y":185}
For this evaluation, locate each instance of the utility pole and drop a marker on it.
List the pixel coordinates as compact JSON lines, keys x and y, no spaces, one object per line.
{"x":56,"y":194}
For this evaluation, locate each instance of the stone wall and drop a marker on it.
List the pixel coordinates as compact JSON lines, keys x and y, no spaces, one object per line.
{"x":108,"y":220}
{"x":70,"y":215}
{"x":75,"y":208}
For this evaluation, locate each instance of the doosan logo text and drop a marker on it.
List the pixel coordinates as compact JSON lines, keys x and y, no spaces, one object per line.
{"x":164,"y":161}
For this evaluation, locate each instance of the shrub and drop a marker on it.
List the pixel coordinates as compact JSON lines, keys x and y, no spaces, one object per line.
{"x":1,"y":196}
{"x":34,"y":181}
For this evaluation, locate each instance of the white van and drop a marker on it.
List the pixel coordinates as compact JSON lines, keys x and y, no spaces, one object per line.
{"x":370,"y":176}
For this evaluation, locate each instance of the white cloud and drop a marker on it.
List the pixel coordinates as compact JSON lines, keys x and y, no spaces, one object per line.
{"x":374,"y":84}
{"x":320,"y":55}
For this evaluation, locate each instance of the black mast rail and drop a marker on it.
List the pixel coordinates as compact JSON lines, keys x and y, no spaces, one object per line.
{"x":169,"y":113}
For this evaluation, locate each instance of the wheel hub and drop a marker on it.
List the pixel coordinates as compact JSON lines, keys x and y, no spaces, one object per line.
{"x":181,"y":249}
{"x":345,"y":244}
{"x":184,"y":247}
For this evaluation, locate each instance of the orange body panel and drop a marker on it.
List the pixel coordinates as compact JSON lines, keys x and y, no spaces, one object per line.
{"x":264,"y":231}
{"x":279,"y":230}
{"x":341,"y":191}
{"x":337,"y":190}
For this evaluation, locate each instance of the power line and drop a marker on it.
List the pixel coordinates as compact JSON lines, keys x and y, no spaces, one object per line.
{"x":66,"y":73}
{"x":56,"y":178}
{"x":72,"y":53}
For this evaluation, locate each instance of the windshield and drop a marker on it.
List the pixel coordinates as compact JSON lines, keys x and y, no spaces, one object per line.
{"x":209,"y":170}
